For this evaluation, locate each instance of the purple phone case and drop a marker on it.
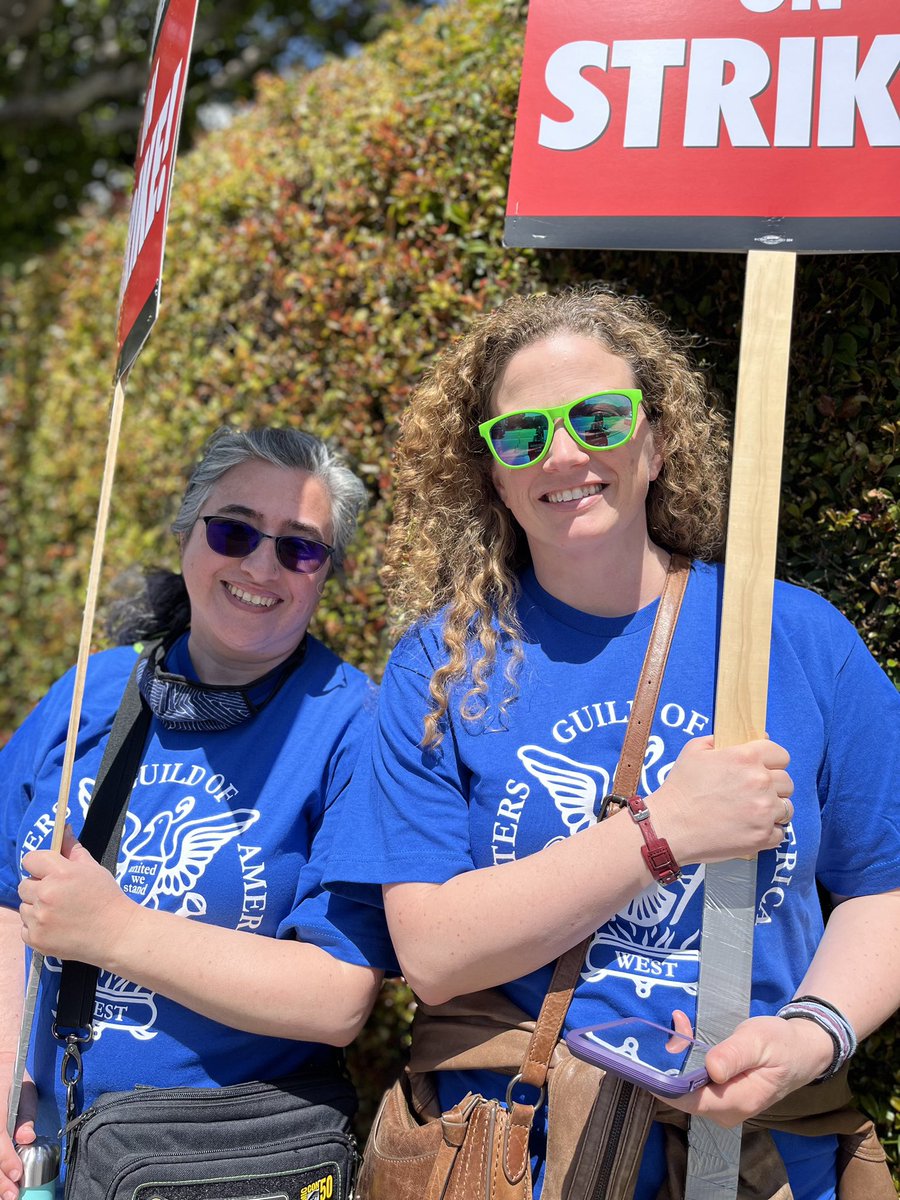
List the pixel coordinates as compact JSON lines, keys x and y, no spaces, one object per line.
{"x":646,"y":1077}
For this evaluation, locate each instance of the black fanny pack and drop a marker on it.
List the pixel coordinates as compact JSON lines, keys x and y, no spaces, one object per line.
{"x":288,"y":1139}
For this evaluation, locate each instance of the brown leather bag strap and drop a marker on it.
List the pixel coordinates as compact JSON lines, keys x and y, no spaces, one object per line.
{"x":631,"y":760}
{"x":628,"y":772}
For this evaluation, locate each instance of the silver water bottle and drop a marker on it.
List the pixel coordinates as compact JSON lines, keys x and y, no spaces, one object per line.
{"x":40,"y":1169}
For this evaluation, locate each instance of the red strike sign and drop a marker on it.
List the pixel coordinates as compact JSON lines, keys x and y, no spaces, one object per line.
{"x":708,"y":124}
{"x":157,"y":145}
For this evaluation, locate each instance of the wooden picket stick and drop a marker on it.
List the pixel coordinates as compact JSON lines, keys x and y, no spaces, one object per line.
{"x":65,"y":783}
{"x":729,"y":910}
{"x":743,"y":676}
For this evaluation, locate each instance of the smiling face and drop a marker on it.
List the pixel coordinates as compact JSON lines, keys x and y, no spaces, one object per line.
{"x":249,"y":614}
{"x":575,"y":500}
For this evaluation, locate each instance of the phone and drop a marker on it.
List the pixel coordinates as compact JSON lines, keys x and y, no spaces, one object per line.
{"x":650,"y":1055}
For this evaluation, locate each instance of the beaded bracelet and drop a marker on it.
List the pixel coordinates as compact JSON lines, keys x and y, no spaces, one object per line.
{"x":829,"y":1018}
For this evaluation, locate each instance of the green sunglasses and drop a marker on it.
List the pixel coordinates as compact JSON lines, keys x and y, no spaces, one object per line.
{"x":601,"y":421}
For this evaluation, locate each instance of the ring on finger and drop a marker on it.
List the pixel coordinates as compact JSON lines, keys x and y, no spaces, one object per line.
{"x":788,"y":813}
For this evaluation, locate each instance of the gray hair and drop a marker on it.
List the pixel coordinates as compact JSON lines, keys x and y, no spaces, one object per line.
{"x":291,"y":448}
{"x":154,"y":603}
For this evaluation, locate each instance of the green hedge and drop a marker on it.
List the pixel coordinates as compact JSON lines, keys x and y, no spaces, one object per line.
{"x":319,"y":252}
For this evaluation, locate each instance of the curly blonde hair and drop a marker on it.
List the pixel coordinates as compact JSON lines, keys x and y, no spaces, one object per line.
{"x":454,"y":544}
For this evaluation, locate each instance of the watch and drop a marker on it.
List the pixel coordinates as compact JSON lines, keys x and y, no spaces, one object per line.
{"x":656,"y":850}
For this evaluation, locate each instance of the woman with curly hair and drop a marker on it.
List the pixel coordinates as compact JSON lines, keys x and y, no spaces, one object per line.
{"x":454,"y":539}
{"x":553,"y":466}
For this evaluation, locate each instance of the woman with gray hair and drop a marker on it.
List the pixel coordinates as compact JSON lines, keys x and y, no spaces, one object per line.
{"x":161,"y":602}
{"x":221,"y":958}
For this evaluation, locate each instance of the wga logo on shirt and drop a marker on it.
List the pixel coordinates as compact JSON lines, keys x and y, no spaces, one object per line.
{"x":643,"y":944}
{"x":168,"y":844}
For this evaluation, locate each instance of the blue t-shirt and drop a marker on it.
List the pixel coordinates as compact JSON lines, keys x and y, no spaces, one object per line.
{"x":230,"y":828}
{"x":511,"y":783}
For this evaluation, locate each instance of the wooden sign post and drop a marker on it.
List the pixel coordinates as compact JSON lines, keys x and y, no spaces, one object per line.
{"x":729,"y":907}
{"x":770,"y":126}
{"x":753,"y":500}
{"x":138,"y":310}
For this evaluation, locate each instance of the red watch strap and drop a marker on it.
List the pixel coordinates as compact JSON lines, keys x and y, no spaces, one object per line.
{"x":656,"y":850}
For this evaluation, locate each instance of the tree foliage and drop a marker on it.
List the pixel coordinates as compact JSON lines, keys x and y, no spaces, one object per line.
{"x":320,"y":251}
{"x":73,"y":74}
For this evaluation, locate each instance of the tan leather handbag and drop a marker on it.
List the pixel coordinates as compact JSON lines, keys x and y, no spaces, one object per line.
{"x":596,"y":1129}
{"x":478,"y":1149}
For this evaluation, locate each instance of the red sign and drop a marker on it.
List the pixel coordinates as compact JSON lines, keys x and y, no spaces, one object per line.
{"x":154,"y":166}
{"x":708,"y":124}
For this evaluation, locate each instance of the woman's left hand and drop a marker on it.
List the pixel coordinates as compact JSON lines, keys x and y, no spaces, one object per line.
{"x":71,"y":907}
{"x":761,"y":1062}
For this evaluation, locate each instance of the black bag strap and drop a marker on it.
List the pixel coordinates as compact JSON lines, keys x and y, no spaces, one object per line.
{"x":101,"y":835}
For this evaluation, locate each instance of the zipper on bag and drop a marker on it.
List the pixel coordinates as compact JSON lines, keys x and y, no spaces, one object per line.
{"x":616,"y":1129}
